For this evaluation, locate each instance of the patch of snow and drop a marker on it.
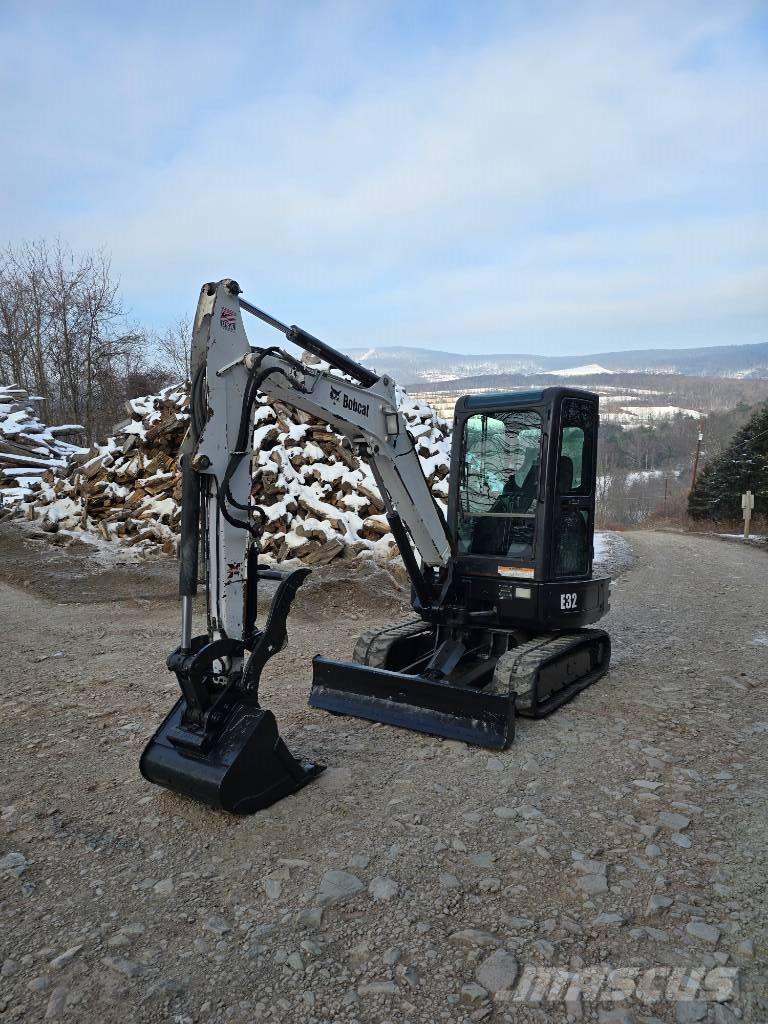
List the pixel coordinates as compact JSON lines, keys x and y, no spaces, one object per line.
{"x":588,"y":370}
{"x":613,"y":554}
{"x":637,"y":415}
{"x":644,"y":475}
{"x":659,"y":412}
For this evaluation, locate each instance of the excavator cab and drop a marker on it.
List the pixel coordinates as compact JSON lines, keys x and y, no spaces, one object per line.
{"x":501,"y":630}
{"x":522,"y":503}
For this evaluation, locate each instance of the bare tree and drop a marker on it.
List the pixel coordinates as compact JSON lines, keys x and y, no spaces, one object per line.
{"x":612,"y":499}
{"x":134,"y":373}
{"x":32,"y":270}
{"x":62,"y":333}
{"x":174,"y":348}
{"x":14,"y":343}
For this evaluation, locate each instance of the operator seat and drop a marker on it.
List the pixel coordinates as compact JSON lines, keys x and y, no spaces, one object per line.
{"x":495,"y":534}
{"x":525,"y":494}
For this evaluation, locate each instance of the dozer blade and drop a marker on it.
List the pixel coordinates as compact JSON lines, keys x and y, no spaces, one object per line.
{"x":413,"y":702}
{"x":243,"y":768}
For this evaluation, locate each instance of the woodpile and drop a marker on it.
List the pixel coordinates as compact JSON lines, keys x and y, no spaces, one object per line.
{"x":127,"y":489}
{"x":319,"y":500}
{"x":28,"y":448}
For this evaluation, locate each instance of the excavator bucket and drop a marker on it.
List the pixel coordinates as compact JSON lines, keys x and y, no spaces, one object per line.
{"x":218,"y":745}
{"x":245,"y":768}
{"x":413,"y":702}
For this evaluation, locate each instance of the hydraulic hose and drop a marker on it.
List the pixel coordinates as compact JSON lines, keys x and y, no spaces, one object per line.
{"x":255,"y":380}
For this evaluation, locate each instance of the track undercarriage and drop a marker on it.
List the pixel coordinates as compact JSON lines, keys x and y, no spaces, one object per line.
{"x":464,"y":683}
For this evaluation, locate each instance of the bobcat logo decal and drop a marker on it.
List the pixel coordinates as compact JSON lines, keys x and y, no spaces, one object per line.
{"x":335,"y":394}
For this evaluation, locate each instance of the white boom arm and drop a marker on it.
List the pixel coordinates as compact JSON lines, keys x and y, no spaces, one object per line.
{"x":366,"y":414}
{"x":371,"y":420}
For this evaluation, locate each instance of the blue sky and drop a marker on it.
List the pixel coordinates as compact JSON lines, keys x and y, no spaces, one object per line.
{"x":498,"y":177}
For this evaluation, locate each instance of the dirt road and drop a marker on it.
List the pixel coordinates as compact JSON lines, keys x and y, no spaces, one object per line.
{"x":417,"y":880}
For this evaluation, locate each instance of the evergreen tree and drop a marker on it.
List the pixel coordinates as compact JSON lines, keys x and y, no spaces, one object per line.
{"x":742,"y":467}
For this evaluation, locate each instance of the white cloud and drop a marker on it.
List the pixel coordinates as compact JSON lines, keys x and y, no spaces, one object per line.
{"x":596,"y":171}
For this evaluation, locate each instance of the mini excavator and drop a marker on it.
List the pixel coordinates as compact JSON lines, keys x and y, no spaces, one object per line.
{"x":502,"y":585}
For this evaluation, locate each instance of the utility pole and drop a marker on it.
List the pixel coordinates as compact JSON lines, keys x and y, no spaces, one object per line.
{"x":698,"y":452}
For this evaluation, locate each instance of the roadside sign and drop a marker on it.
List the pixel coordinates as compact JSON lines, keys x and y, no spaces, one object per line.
{"x":747,"y":504}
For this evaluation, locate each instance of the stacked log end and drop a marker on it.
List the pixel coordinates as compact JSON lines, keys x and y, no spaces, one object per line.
{"x":28,"y":447}
{"x":319,"y":499}
{"x":127,"y":489}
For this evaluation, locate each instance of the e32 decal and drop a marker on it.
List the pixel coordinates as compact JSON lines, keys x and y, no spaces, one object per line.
{"x":568,"y":602}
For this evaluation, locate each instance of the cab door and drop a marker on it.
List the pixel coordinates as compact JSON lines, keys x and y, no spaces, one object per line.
{"x":573,"y":519}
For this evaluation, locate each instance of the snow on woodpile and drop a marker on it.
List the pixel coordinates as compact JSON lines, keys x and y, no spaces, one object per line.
{"x":127,"y":489}
{"x":319,"y":499}
{"x":28,"y":448}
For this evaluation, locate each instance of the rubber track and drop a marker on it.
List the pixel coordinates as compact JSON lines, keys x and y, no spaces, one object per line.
{"x":520,"y":669}
{"x":374,"y":645}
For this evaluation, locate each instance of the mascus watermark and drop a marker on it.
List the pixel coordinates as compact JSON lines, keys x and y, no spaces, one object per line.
{"x":603,"y":983}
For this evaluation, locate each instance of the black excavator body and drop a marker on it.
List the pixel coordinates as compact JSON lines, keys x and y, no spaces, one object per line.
{"x":504,"y":596}
{"x":504,"y":629}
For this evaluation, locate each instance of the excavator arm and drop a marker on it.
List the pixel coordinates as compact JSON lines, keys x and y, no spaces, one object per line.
{"x":369,"y":418}
{"x":364,"y":410}
{"x":206,"y":747}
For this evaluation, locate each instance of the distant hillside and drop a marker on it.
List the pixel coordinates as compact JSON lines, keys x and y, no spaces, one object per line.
{"x":618,"y":391}
{"x":409,"y":365}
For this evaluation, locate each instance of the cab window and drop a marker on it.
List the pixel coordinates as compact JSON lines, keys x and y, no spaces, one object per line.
{"x":499,"y":484}
{"x":574,"y":480}
{"x":576,"y":437}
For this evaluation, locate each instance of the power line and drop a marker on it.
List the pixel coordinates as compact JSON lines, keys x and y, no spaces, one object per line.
{"x":750,"y":440}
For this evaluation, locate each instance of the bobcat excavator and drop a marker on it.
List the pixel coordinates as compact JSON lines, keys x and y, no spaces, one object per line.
{"x":502,"y":586}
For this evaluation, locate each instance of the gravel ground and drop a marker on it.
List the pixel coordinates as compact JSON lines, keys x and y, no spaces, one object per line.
{"x":416,"y":880}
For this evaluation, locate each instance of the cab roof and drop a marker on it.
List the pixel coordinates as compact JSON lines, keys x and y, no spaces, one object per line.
{"x":503,"y":398}
{"x":529,"y":396}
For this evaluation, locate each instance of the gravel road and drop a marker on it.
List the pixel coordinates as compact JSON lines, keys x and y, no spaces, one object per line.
{"x":417,"y":880}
